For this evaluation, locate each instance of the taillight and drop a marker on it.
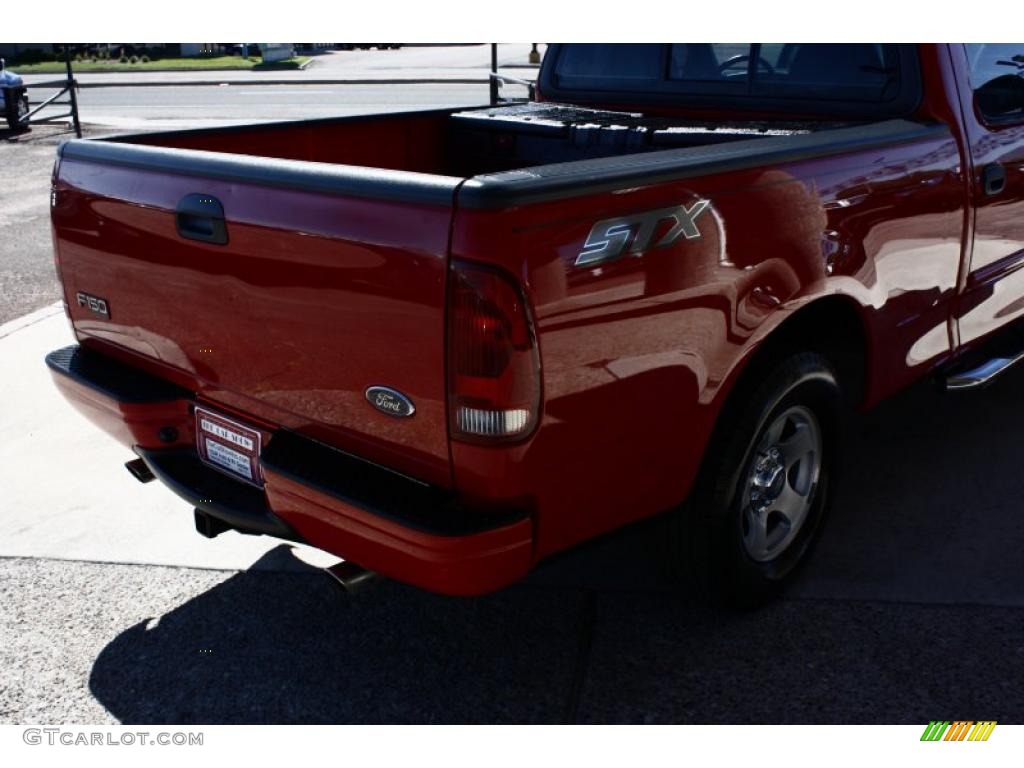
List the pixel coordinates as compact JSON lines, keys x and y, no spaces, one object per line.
{"x":493,"y":365}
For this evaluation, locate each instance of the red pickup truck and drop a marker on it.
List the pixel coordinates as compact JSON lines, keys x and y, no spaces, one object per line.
{"x":445,"y":345}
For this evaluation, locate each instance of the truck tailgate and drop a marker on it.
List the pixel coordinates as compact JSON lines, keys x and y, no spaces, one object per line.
{"x":332,"y":280}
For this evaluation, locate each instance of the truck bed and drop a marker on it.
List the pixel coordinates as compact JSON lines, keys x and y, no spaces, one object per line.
{"x":473,"y":141}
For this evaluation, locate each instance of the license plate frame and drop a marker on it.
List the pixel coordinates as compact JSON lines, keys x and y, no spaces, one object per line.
{"x":229,"y":446}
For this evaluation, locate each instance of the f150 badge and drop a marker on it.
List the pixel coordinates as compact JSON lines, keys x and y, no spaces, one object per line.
{"x":609,"y":238}
{"x":94,"y":304}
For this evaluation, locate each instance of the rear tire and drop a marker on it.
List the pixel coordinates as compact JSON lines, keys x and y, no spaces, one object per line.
{"x":766,"y":484}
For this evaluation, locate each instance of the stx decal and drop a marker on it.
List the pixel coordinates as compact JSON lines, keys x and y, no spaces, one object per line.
{"x":609,"y":238}
{"x":960,"y":730}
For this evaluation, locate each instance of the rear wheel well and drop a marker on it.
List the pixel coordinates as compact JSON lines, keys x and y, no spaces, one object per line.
{"x":831,"y":327}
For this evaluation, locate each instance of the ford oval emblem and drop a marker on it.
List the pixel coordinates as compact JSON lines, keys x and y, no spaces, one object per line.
{"x":390,"y":401}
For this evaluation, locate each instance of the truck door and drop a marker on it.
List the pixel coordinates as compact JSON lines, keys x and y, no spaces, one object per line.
{"x":993,"y":108}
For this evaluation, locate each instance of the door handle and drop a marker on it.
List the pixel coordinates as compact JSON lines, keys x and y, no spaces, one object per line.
{"x":201,"y":217}
{"x":993,"y":178}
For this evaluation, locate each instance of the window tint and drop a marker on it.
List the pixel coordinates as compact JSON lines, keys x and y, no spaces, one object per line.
{"x":633,"y":61}
{"x":866,"y":72}
{"x":997,"y":78}
{"x":709,"y":61}
{"x":858,"y":71}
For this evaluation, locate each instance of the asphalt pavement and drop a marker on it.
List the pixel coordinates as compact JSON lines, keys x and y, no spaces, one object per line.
{"x":96,"y":643}
{"x":112,"y":609}
{"x":27,"y":277}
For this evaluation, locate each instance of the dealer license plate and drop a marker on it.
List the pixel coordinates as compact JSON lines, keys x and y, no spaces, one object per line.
{"x":228,"y":446}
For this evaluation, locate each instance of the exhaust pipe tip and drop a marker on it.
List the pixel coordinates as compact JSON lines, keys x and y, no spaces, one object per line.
{"x":351,"y":577}
{"x":140,"y":470}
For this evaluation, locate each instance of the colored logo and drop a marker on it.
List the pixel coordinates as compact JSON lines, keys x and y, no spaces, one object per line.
{"x":390,"y":401}
{"x":958,"y":730}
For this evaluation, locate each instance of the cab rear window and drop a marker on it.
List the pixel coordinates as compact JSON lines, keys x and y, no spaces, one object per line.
{"x":870,"y":77}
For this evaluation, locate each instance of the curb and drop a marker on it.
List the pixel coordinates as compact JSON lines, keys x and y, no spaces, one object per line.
{"x":20,"y":323}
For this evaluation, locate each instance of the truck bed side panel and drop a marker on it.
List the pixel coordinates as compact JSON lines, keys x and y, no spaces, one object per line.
{"x":639,"y":352}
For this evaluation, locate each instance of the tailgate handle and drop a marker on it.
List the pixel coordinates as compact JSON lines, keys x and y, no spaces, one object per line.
{"x":201,"y":217}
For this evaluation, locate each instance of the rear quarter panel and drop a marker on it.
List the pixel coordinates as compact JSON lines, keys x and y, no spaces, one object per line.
{"x":639,"y":354}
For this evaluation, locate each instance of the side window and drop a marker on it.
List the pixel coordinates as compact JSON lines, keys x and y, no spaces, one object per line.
{"x":997,"y":79}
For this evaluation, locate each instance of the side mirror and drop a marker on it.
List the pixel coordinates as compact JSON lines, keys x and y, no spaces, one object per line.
{"x":1002,"y":96}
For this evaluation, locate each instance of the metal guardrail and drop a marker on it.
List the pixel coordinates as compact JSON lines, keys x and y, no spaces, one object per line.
{"x":65,"y":87}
